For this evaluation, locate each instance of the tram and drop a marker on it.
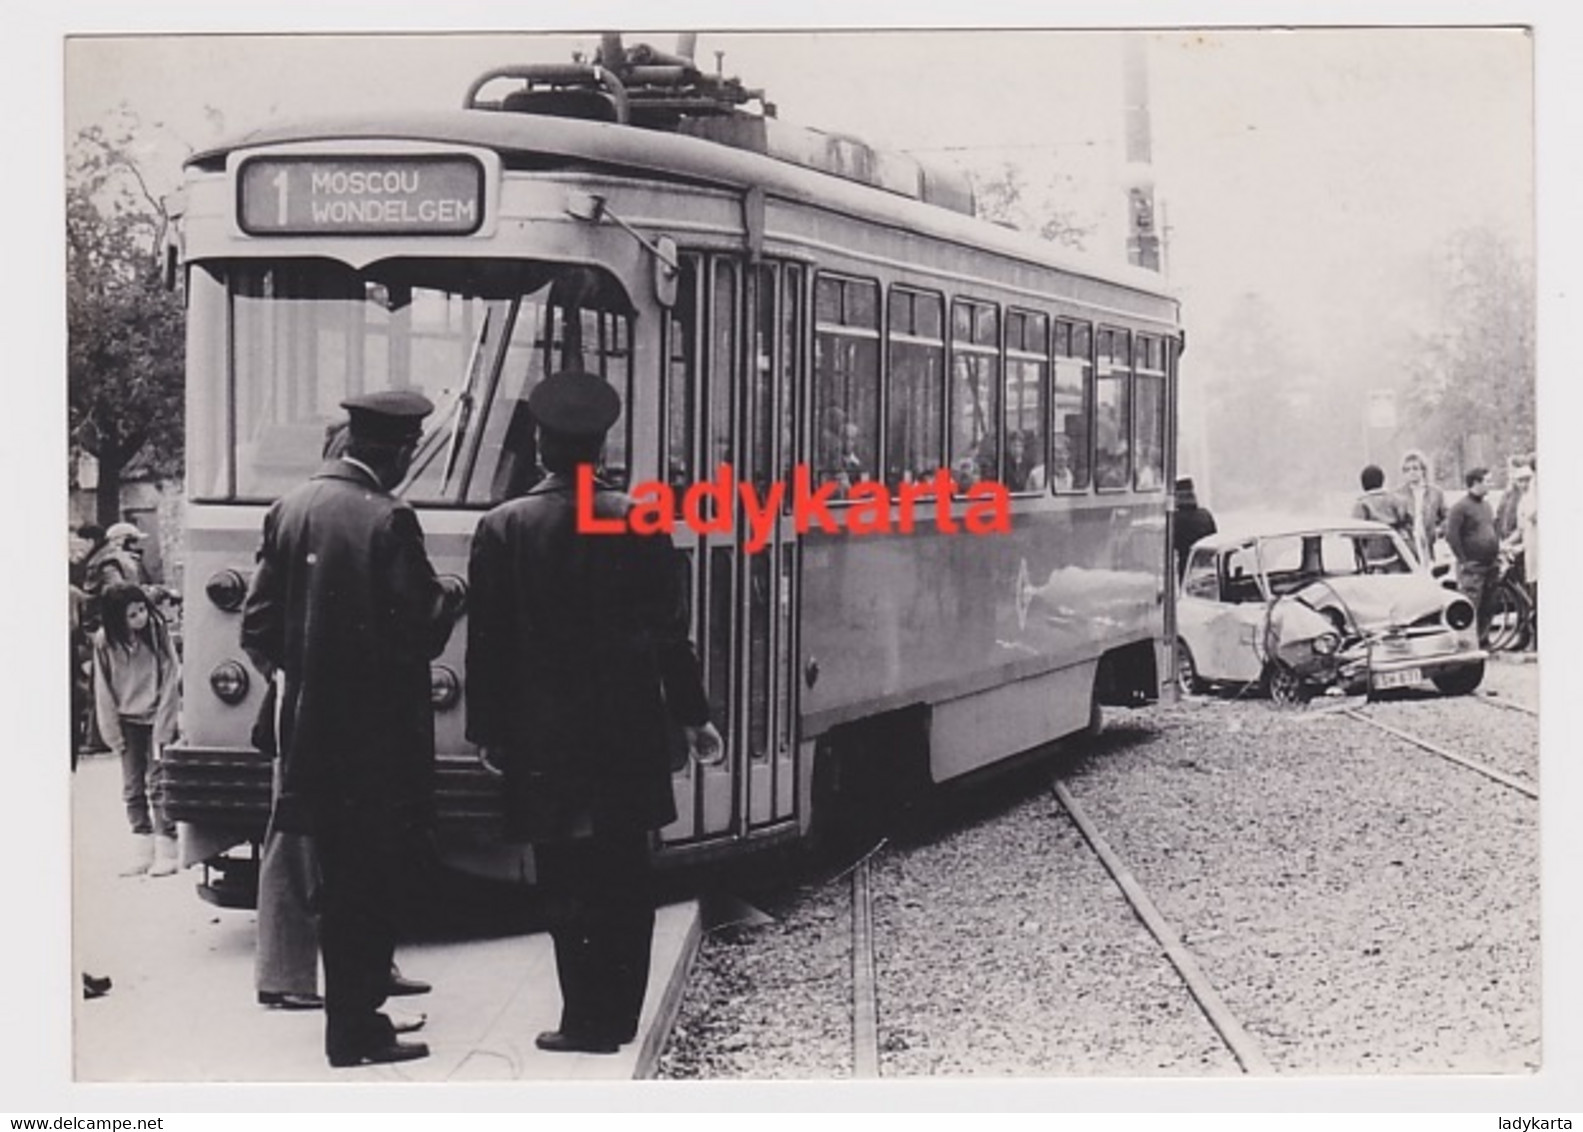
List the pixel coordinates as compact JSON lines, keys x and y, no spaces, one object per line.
{"x":761,"y":295}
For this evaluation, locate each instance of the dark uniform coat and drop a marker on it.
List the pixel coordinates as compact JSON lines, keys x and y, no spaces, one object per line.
{"x":346,"y":602}
{"x":1192,"y":523}
{"x":577,"y":659}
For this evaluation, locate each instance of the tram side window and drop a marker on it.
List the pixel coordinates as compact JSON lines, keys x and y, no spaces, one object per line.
{"x":975,"y":392}
{"x":914,"y":438}
{"x":1024,"y":464}
{"x":846,"y":381}
{"x":1113,"y":405}
{"x":1148,"y":421}
{"x":1073,"y":399}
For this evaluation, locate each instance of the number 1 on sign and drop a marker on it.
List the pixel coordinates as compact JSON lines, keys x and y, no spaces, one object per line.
{"x":280,"y":182}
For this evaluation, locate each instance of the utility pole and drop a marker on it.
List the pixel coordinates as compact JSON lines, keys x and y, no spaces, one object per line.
{"x":1143,"y":238}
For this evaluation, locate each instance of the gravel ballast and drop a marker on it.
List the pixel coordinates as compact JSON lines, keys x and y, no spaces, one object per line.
{"x":1360,"y":906}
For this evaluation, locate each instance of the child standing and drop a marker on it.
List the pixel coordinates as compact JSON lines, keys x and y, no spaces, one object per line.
{"x":137,"y":681}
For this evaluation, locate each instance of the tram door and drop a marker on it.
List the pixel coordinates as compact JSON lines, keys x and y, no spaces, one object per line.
{"x":734,"y":351}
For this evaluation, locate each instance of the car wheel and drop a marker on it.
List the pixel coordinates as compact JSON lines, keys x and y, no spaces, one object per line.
{"x":1187,"y":679}
{"x":1282,"y":684}
{"x":1460,"y":681}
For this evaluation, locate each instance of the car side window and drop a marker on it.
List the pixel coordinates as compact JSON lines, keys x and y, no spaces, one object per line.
{"x":1241,"y":581}
{"x":1200,"y":579}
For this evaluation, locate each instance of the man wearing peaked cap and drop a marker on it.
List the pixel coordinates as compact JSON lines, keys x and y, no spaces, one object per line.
{"x":391,"y":415}
{"x":575,"y":404}
{"x":347,"y":607}
{"x":577,"y":662}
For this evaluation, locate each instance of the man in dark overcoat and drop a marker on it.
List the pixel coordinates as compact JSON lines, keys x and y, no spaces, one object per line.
{"x":1192,"y":523}
{"x":577,"y":659}
{"x":346,"y":603}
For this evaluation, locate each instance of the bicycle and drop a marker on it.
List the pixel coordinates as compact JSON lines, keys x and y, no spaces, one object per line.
{"x":1511,"y":610}
{"x":1511,"y":625}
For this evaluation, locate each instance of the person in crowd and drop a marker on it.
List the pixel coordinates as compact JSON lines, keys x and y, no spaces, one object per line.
{"x":167,"y":603}
{"x":137,"y":688}
{"x":1380,"y":506}
{"x":81,"y":621}
{"x":1192,"y":522}
{"x":1470,"y":532}
{"x":346,"y":606}
{"x":286,"y":959}
{"x":120,"y":559}
{"x":1520,"y":537}
{"x":1423,"y":507}
{"x":1528,"y":533}
{"x":1518,"y":477}
{"x":577,"y":661}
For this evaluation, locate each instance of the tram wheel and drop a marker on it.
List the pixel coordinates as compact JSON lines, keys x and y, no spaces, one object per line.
{"x":1187,"y":678}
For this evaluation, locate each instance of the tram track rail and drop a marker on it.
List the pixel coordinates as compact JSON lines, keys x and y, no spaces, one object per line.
{"x":865,"y":984}
{"x":1494,"y":701}
{"x":1494,"y":774}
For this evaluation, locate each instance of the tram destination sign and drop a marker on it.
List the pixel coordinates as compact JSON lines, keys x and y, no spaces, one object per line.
{"x":360,"y":196}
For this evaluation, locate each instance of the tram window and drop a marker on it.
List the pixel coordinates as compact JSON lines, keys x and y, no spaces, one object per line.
{"x":975,"y":393}
{"x":681,"y":353}
{"x":305,"y":336}
{"x":1073,"y":397}
{"x":208,"y":455}
{"x":845,"y":381}
{"x":723,"y":332}
{"x":1113,"y":406}
{"x":1024,"y":465}
{"x":791,"y":325}
{"x":916,"y":375}
{"x":761,"y":413}
{"x":1148,"y":421}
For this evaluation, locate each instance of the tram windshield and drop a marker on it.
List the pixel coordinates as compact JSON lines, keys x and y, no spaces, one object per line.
{"x":473,"y":337}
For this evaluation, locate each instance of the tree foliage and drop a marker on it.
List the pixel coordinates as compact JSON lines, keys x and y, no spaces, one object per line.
{"x":1007,"y":197}
{"x":1471,"y":383}
{"x":125,"y":331}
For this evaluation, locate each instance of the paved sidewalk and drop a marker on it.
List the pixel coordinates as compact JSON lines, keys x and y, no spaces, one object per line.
{"x":182,"y":1008}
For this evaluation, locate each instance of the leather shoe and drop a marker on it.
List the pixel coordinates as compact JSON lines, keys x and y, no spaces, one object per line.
{"x":381,"y":1054}
{"x":557,"y":1042}
{"x":401,"y":985}
{"x":286,"y":1000}
{"x":405,"y":1022}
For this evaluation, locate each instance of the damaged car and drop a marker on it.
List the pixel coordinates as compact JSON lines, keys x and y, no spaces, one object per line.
{"x":1331,"y":608}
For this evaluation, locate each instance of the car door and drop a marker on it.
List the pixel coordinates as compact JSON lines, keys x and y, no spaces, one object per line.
{"x":1225,"y":606}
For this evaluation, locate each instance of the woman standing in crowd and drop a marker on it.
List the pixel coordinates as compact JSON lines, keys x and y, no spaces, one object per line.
{"x":137,"y":678}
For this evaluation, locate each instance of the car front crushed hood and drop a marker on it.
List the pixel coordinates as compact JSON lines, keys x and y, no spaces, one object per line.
{"x":1379,"y":601}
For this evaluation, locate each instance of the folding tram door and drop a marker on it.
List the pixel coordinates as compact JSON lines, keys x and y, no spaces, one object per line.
{"x":734,"y":356}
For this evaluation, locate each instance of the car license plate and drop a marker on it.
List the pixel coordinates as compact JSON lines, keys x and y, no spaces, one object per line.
{"x":1399,"y":679}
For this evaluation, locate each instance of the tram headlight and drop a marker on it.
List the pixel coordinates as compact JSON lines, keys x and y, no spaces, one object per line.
{"x":444,"y":688}
{"x":229,"y":681}
{"x":227,"y":589}
{"x":1326,"y":644}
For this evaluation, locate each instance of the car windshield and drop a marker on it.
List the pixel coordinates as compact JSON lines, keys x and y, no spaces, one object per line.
{"x":1290,"y":562}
